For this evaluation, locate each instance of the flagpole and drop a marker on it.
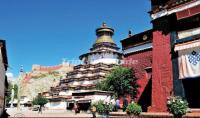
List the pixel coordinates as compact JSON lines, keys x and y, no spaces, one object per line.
{"x":19,"y":87}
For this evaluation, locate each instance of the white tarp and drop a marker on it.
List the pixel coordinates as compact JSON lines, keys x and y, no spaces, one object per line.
{"x":188,"y":33}
{"x":189,"y":62}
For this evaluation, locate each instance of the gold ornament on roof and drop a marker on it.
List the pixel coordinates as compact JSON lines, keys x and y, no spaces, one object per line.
{"x":145,"y":37}
{"x":104,"y":34}
{"x":104,"y":24}
{"x":104,"y":39}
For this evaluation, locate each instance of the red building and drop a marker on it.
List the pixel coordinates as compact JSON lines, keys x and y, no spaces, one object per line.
{"x":172,"y":50}
{"x":137,"y":51}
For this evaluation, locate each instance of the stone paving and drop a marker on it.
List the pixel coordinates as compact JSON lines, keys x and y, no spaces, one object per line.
{"x":46,"y":113}
{"x":67,"y":114}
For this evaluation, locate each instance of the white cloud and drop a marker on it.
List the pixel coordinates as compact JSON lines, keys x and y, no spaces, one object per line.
{"x":9,"y":75}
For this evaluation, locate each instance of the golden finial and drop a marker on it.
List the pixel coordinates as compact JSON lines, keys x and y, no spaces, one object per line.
{"x":103,"y":24}
{"x":129,"y":33}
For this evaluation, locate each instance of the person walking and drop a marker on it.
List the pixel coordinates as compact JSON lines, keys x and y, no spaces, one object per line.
{"x":93,"y":110}
{"x":113,"y":104}
{"x":117,"y":105}
{"x":125,"y":104}
{"x":40,"y":109}
{"x":76,"y":108}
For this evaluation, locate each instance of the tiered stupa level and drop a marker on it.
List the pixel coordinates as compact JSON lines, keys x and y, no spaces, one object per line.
{"x":103,"y":56}
{"x":104,"y":50}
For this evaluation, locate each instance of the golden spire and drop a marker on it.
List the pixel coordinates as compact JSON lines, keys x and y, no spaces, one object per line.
{"x":104,"y":24}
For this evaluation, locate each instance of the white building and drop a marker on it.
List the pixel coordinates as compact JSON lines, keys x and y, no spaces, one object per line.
{"x":99,"y":61}
{"x":3,"y":79}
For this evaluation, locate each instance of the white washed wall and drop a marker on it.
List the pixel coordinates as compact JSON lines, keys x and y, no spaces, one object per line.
{"x":85,"y":82}
{"x":99,"y":97}
{"x":56,"y":105}
{"x":107,"y":58}
{"x":68,"y":92}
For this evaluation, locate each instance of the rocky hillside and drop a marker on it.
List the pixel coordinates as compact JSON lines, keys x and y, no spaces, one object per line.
{"x":39,"y":81}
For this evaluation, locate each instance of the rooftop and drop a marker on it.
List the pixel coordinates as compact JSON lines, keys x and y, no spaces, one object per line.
{"x":137,"y":39}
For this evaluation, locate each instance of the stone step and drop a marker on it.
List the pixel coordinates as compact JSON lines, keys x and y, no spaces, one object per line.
{"x":156,"y":114}
{"x":195,"y":110}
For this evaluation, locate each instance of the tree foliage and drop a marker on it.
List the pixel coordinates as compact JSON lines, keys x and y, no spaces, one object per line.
{"x":134,"y":108}
{"x":121,"y":81}
{"x":103,"y":107}
{"x":40,"y":100}
{"x":10,"y":86}
{"x":15,"y":91}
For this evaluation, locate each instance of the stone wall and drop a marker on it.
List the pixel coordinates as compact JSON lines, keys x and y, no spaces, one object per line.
{"x":2,"y":83}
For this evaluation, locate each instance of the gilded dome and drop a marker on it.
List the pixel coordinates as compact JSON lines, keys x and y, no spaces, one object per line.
{"x":104,"y":34}
{"x":103,"y":39}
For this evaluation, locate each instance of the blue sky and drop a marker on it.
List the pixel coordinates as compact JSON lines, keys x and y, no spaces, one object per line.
{"x":45,"y":31}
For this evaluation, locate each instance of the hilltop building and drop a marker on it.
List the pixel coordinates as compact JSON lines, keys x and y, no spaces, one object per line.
{"x":167,"y":56}
{"x":41,"y":79}
{"x":101,"y":59}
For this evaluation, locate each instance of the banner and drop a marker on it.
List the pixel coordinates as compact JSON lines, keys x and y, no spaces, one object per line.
{"x":189,"y":63}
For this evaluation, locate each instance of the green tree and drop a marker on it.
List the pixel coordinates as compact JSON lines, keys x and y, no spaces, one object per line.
{"x":10,"y":86}
{"x":121,"y":81}
{"x":40,"y":100}
{"x":15,"y":91}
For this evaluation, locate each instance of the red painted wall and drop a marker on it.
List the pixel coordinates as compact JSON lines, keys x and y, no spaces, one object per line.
{"x":139,"y":61}
{"x":160,"y":60}
{"x":162,"y":81}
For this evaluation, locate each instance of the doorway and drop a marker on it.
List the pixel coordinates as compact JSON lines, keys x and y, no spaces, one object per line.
{"x":192,"y":94}
{"x":145,"y":99}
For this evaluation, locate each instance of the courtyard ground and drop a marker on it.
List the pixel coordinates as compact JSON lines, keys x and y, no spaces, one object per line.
{"x":63,"y":113}
{"x":46,"y":113}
